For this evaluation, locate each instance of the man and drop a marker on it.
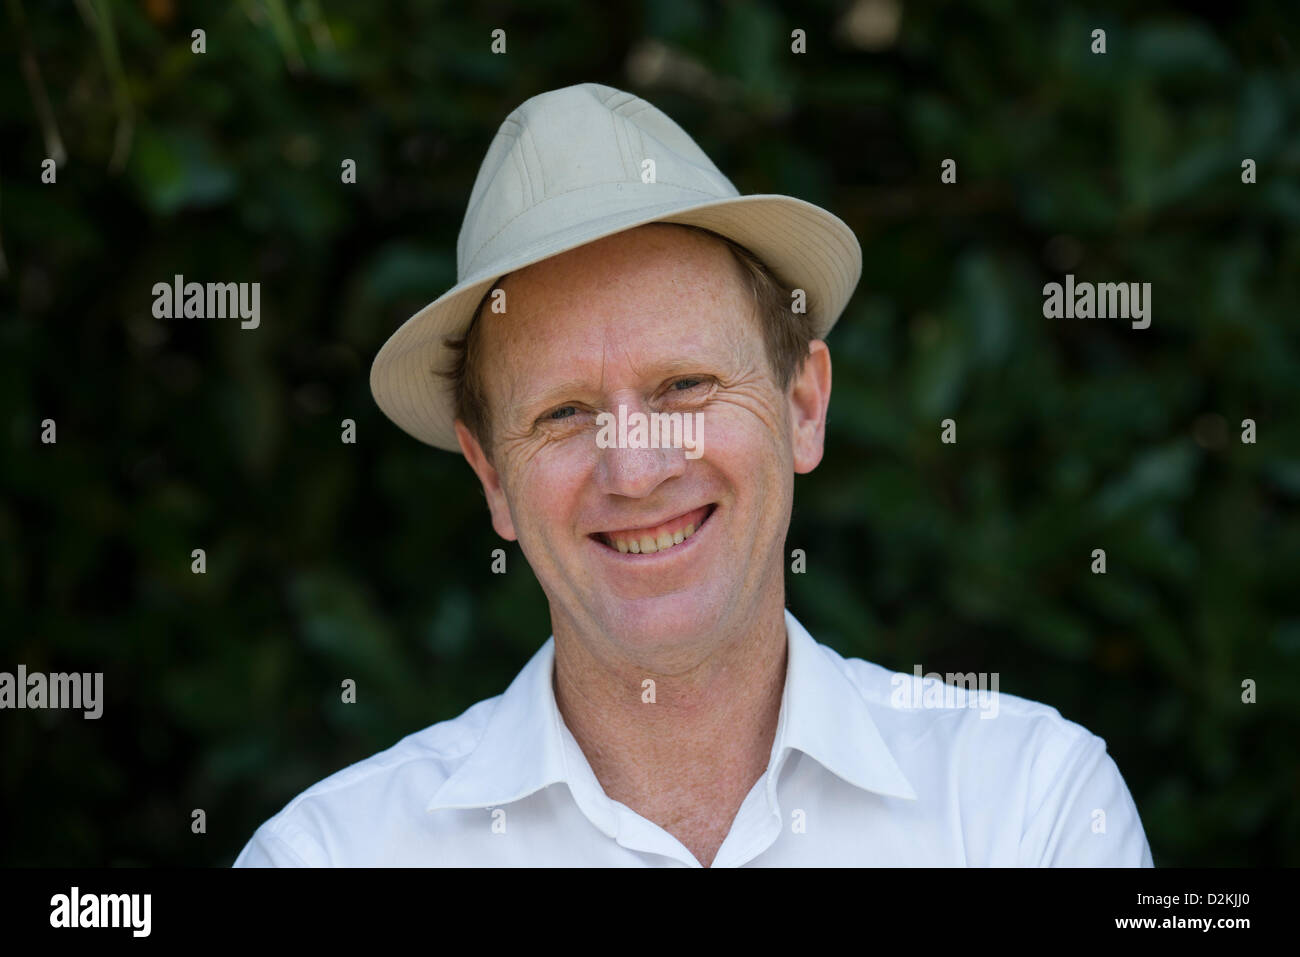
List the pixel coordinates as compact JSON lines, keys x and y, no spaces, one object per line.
{"x":678,"y":715}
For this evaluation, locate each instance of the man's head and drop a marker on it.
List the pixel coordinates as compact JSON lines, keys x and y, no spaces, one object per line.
{"x":786,"y":334}
{"x":659,"y":318}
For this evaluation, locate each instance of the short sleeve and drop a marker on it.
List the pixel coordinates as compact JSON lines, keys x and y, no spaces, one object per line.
{"x":1084,"y":814}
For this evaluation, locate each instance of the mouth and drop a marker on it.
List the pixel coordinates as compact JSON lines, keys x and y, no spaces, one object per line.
{"x":657,"y":538}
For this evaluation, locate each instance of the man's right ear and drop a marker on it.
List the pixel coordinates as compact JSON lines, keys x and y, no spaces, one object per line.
{"x":490,"y":479}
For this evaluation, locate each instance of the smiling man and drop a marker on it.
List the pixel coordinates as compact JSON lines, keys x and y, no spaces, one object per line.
{"x":678,"y":715}
{"x":657,"y":319}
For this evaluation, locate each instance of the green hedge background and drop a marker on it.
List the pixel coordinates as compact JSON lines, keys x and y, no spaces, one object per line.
{"x":371,"y":561}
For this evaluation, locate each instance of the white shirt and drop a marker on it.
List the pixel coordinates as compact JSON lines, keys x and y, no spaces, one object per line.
{"x":861,"y":774}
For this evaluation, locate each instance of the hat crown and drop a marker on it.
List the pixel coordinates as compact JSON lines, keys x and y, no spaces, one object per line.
{"x":559,"y":143}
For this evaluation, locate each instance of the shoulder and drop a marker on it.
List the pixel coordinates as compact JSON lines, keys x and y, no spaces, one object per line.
{"x":965,"y":707}
{"x":318,"y":825}
{"x":973,"y":748}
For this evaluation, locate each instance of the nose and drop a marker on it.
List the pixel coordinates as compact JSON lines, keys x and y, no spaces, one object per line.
{"x":634,"y":472}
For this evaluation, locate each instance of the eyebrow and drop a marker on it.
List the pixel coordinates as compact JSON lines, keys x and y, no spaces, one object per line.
{"x":544,"y":398}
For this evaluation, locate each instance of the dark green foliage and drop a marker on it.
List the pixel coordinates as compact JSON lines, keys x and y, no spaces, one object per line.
{"x":328,"y":561}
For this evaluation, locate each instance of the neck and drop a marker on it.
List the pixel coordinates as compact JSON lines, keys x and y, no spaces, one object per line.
{"x":687,"y":759}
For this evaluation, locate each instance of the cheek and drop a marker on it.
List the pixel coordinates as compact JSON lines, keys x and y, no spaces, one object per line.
{"x":753,"y":449}
{"x":546,"y":491}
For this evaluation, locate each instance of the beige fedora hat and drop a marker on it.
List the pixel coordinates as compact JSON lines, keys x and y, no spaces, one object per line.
{"x":565,"y":169}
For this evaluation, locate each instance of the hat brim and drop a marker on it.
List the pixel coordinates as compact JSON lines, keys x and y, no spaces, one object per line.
{"x":804,"y":244}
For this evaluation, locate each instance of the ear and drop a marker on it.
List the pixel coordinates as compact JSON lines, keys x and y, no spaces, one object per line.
{"x":810,"y":394}
{"x":491,"y":481}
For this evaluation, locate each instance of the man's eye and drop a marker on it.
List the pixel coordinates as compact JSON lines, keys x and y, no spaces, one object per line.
{"x":563,"y":413}
{"x":681,"y":385}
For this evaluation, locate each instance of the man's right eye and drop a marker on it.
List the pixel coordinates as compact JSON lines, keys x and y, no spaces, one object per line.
{"x":563,"y":413}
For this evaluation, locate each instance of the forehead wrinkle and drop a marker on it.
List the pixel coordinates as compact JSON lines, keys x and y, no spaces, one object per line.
{"x":646,"y":358}
{"x":679,"y":276}
{"x":725,"y":347}
{"x":706,"y":296}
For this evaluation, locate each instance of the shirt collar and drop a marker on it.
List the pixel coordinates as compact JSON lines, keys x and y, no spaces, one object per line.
{"x":526,"y":746}
{"x":824,"y":715}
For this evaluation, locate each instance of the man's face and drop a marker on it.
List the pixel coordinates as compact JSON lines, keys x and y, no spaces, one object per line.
{"x":654,"y":319}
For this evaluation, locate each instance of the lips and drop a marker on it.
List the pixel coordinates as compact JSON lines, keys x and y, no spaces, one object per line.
{"x":656,"y":538}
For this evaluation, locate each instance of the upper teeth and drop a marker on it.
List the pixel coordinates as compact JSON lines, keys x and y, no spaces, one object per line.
{"x":647,"y":544}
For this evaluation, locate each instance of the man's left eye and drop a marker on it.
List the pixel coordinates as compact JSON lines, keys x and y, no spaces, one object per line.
{"x":563,"y":413}
{"x":681,"y":385}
